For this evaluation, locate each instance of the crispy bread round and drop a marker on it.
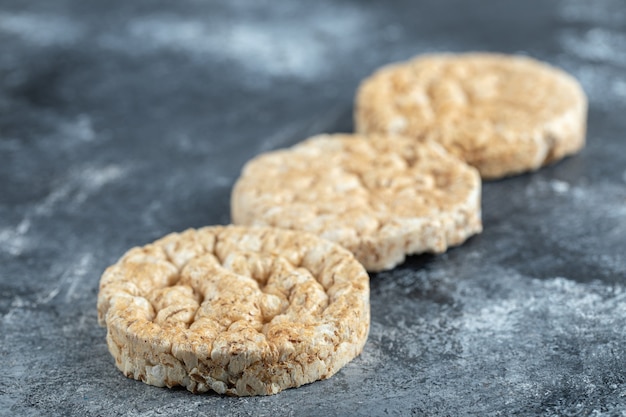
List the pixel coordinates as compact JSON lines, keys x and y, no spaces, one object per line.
{"x":381,"y":198}
{"x":502,"y":114}
{"x":240,"y":311}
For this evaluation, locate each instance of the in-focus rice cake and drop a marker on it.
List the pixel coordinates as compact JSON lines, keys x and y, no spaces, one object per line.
{"x":240,"y":311}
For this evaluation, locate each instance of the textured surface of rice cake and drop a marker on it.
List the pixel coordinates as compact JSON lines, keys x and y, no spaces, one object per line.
{"x":381,"y":198}
{"x":502,"y":114}
{"x":240,"y":311}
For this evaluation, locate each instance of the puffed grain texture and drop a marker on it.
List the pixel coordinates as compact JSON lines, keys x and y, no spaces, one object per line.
{"x":239,"y":311}
{"x":381,"y":198}
{"x":502,"y":114}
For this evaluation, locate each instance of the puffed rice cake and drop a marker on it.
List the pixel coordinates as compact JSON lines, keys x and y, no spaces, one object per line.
{"x":381,"y":198}
{"x":503,"y":114}
{"x":240,"y":311}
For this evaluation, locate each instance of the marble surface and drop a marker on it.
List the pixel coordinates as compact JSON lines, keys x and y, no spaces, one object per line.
{"x":122,"y":121}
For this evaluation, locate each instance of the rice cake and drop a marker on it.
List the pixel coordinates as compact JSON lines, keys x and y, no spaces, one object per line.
{"x":240,"y":311}
{"x":381,"y":197}
{"x":502,"y":114}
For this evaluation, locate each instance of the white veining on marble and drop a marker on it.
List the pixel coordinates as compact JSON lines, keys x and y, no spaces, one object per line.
{"x":286,"y":48}
{"x":80,"y":128}
{"x":592,"y":48}
{"x":13,"y":240}
{"x":68,"y":195}
{"x":73,"y":276}
{"x":40,"y":29}
{"x":598,"y":44}
{"x":607,"y":12}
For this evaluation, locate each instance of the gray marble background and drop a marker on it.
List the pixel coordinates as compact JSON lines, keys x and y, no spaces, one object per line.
{"x":121,"y":121}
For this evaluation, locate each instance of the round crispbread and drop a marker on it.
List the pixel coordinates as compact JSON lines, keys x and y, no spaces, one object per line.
{"x":381,"y":198}
{"x":502,"y":114}
{"x":240,"y":311}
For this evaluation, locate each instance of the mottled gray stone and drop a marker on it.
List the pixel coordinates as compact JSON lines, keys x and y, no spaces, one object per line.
{"x":121,"y":121}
